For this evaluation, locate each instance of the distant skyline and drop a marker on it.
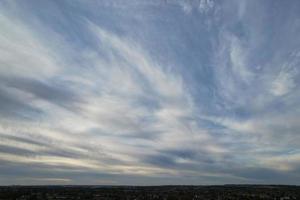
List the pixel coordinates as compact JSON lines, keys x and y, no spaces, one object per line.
{"x":149,"y":92}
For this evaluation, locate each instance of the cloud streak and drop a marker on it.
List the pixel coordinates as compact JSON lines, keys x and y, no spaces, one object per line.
{"x":86,"y":94}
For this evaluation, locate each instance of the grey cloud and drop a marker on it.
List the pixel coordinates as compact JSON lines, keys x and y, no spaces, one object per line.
{"x":12,"y":107}
{"x":23,"y":139}
{"x":16,"y":150}
{"x":48,"y":150}
{"x":267,"y":176}
{"x":181,"y":153}
{"x":167,"y":159}
{"x":57,"y":94}
{"x":101,"y":107}
{"x":160,"y":160}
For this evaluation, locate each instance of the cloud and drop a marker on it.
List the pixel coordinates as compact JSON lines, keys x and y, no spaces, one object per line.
{"x":203,"y":6}
{"x":21,"y":52}
{"x":283,"y":83}
{"x":89,"y":97}
{"x":125,"y":93}
{"x":206,"y":5}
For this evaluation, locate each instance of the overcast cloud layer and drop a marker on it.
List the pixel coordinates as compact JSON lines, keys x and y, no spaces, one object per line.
{"x":149,"y":92}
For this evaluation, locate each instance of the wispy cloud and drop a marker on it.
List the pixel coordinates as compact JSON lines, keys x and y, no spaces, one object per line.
{"x":83,"y":94}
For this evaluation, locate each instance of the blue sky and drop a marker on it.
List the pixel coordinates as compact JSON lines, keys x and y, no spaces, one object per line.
{"x":149,"y":92}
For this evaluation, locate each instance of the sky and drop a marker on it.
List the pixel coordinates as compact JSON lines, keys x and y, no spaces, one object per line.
{"x":139,"y":92}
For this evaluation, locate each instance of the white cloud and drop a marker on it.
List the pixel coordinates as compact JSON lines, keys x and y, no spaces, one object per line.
{"x":102,"y":133}
{"x":238,"y":60}
{"x":186,"y":6}
{"x":124,"y":106}
{"x":283,"y":83}
{"x":21,"y":52}
{"x":206,"y":5}
{"x":288,"y":162}
{"x":202,"y":6}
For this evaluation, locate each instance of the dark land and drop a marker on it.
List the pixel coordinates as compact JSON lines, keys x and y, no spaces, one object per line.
{"x":150,"y":192}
